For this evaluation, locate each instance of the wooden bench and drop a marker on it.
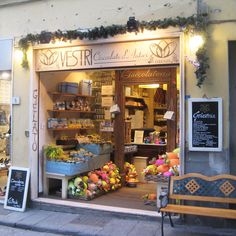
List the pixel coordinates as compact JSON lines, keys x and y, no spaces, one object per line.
{"x":220,"y":189}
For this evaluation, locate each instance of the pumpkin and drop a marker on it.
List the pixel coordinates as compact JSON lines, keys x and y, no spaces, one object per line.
{"x":176,"y":150}
{"x":152,"y":196}
{"x":173,"y":162}
{"x":172,"y":155}
{"x":163,"y":168}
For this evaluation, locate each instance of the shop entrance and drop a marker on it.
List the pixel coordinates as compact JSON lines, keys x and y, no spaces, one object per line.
{"x":147,"y":128}
{"x":76,"y":120}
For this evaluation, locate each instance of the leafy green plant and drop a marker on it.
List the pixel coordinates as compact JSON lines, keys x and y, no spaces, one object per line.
{"x":53,"y":152}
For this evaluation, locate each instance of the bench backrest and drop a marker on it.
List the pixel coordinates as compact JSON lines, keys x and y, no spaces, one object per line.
{"x":197,"y":187}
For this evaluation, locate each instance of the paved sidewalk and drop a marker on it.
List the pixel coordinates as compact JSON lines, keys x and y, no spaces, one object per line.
{"x":98,"y":224}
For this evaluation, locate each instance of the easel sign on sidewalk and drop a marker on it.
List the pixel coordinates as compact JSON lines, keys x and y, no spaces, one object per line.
{"x":17,"y":188}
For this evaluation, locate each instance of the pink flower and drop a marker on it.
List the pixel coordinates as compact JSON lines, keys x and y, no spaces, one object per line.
{"x":168,"y":173}
{"x":160,"y":162}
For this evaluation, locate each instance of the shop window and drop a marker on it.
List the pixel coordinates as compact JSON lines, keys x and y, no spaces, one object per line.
{"x":75,"y":111}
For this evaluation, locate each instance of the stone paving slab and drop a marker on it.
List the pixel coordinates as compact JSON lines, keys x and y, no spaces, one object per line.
{"x":14,"y":217}
{"x":180,"y":230}
{"x":4,"y":211}
{"x":55,"y":220}
{"x":119,"y":227}
{"x":81,"y":230}
{"x":9,"y":231}
{"x":145,"y":228}
{"x":91,"y":220}
{"x":35,"y":218}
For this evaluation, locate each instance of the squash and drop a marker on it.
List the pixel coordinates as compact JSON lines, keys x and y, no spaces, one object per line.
{"x":93,"y":177}
{"x":173,"y":162}
{"x":176,"y":150}
{"x":163,"y":168}
{"x":172,"y":155}
{"x":152,"y":196}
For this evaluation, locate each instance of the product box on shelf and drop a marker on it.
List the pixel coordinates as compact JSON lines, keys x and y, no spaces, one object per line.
{"x":97,"y":149}
{"x":68,"y":87}
{"x":57,"y":123}
{"x":107,"y":90}
{"x":85,"y":87}
{"x":66,"y":168}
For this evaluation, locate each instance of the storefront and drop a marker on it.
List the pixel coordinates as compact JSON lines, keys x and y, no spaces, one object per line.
{"x":123,"y":94}
{"x":118,"y":61}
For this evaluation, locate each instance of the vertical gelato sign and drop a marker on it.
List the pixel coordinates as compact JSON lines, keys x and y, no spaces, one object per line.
{"x":136,"y":53}
{"x":205,"y":124}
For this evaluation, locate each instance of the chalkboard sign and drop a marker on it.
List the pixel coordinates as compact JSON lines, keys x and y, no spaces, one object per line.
{"x":205,"y":124}
{"x":17,"y":188}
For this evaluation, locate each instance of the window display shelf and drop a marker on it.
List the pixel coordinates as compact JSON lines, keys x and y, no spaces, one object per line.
{"x":135,"y":107}
{"x":160,"y":119}
{"x":135,"y":102}
{"x":57,"y":94}
{"x":135,"y":98}
{"x":72,"y":111}
{"x":160,"y":108}
{"x":64,"y":129}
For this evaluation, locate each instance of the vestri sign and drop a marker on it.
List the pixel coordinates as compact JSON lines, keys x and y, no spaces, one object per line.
{"x":151,"y":52}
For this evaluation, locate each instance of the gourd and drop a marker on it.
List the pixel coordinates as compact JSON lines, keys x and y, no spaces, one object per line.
{"x":173,"y":162}
{"x":163,"y":168}
{"x":172,"y":155}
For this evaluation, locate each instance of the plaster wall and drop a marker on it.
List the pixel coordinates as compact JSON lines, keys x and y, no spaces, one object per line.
{"x":217,"y":85}
{"x":20,"y":116}
{"x":73,"y":14}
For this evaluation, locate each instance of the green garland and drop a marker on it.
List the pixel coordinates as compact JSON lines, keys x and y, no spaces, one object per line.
{"x":195,"y":22}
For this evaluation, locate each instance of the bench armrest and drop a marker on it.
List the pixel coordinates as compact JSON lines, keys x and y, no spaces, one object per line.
{"x":164,"y":200}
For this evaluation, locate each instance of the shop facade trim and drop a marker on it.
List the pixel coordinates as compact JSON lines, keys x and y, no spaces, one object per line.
{"x":136,"y":53}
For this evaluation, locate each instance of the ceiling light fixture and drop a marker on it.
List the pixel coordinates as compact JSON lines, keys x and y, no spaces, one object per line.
{"x":151,"y":86}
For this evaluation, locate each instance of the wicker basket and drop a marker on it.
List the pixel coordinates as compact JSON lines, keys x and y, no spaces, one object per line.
{"x":86,"y":198}
{"x":157,"y":178}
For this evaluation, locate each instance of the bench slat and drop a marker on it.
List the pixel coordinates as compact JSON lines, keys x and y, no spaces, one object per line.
{"x":194,"y":186}
{"x":202,"y":211}
{"x":208,"y":178}
{"x":203,"y":198}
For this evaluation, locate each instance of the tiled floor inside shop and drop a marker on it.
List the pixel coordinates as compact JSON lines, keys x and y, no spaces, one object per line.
{"x":126,"y":197}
